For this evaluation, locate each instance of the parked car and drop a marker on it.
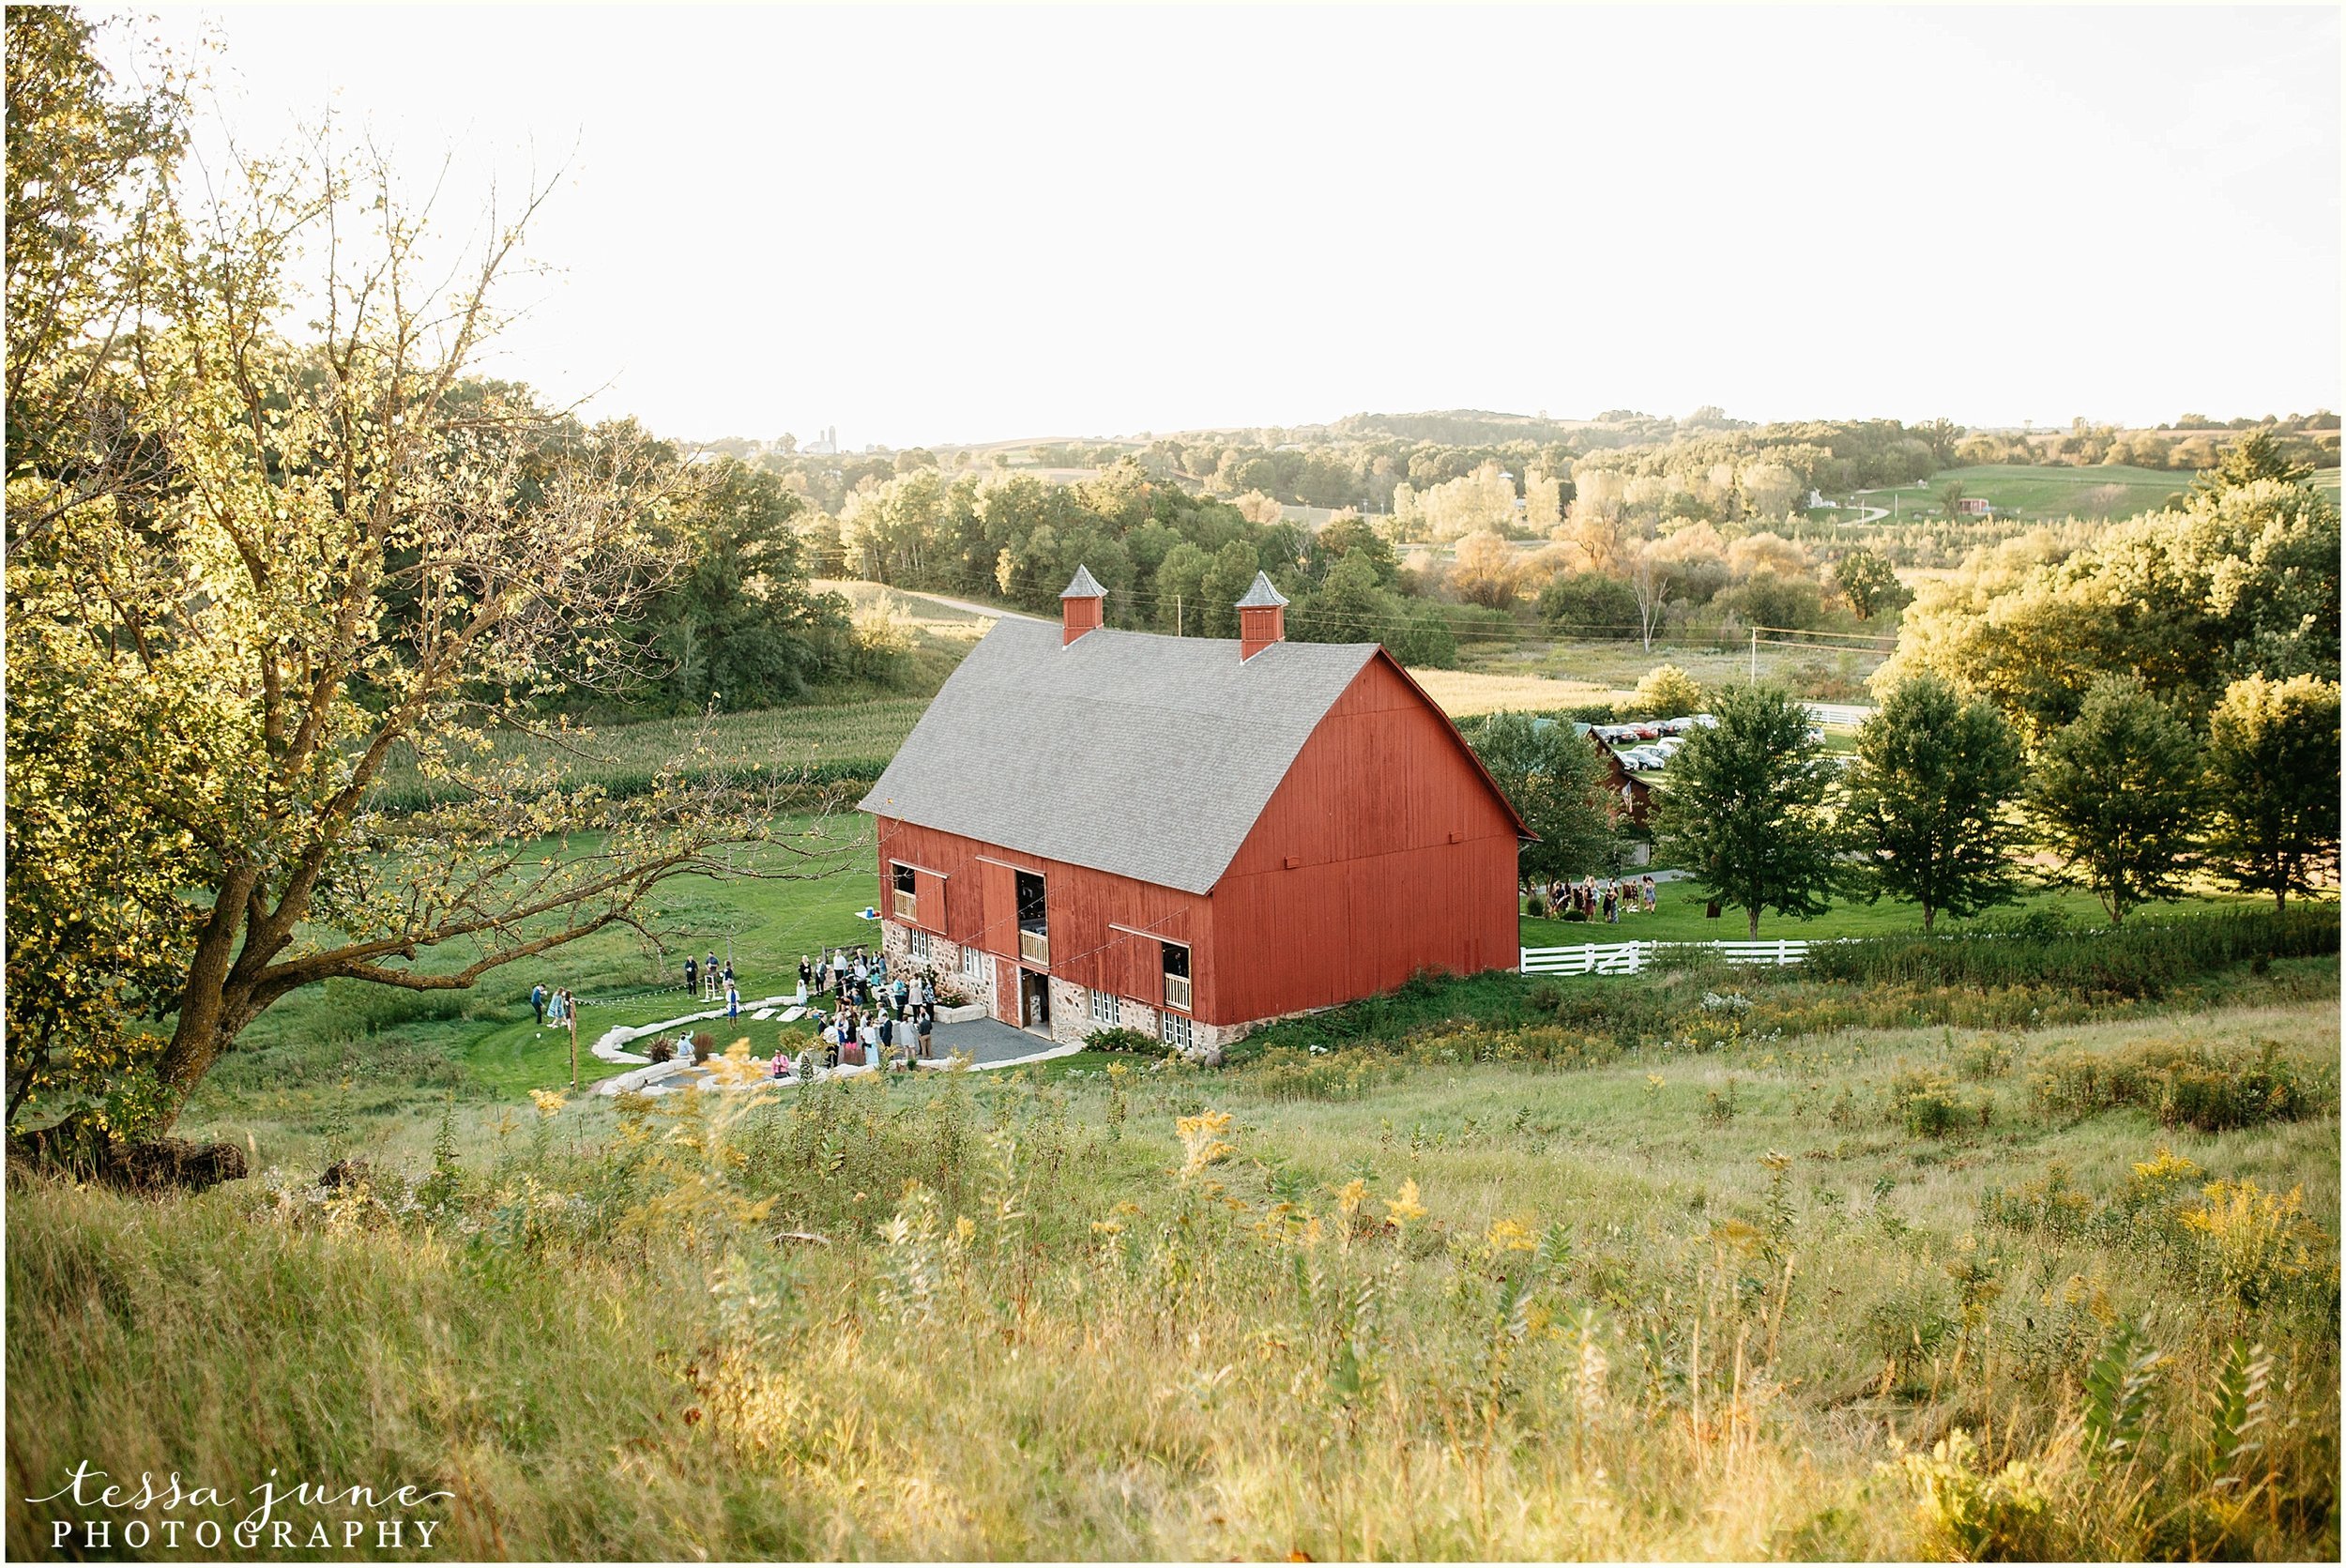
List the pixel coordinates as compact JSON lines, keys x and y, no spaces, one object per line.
{"x":1668,"y":744}
{"x":1676,"y":726}
{"x":1647,"y":732}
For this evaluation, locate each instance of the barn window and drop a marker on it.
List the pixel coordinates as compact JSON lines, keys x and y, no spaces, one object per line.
{"x":1034,"y":931}
{"x":1174,"y":1030}
{"x":972,"y":964}
{"x":905,"y":903}
{"x":921,"y":944}
{"x":1176,"y":974}
{"x":1107,"y":1009}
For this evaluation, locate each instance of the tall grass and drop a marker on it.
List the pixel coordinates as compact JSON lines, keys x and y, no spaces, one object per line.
{"x":2142,"y":958}
{"x":1464,"y":1310}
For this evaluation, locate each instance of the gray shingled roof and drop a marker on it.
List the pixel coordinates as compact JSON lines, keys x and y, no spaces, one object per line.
{"x":1262,"y":595}
{"x":1084,"y":585}
{"x":1147,"y":757}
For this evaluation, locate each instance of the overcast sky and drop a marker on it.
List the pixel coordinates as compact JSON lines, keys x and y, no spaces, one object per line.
{"x":965,"y":224}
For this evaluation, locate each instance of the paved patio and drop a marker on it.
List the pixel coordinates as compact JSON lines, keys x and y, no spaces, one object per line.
{"x":988,"y":1043}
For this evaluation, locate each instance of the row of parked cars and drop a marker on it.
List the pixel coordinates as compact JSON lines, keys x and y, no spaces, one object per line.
{"x":1647,"y":748}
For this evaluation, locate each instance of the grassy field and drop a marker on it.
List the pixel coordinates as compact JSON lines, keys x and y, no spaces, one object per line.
{"x":1688,"y":1268}
{"x":2041,"y":492}
{"x":1678,"y":917}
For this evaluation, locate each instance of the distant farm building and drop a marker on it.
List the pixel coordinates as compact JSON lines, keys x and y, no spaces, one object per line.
{"x":1092,"y":827}
{"x":1974,"y":506}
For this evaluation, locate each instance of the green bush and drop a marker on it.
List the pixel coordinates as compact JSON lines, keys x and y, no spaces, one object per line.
{"x":1129,"y":1042}
{"x":2210,"y":1090}
{"x":2141,"y":960}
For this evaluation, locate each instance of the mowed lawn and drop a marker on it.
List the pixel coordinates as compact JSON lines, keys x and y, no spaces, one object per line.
{"x":484,"y":1042}
{"x":2111,"y":491}
{"x":1679,"y":918}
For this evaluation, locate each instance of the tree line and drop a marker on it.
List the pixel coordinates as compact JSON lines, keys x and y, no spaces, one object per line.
{"x":2161,"y":704}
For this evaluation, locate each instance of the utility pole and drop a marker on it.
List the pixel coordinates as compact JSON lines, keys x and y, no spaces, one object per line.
{"x":1176,"y":612}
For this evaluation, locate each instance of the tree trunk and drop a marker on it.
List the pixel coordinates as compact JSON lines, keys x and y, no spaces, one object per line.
{"x":1929,"y":915}
{"x":79,"y":1147}
{"x":1751,"y":922}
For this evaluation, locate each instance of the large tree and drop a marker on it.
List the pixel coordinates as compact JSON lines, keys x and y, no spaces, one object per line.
{"x":1931,"y":798}
{"x":352,"y":563}
{"x":2244,"y":581}
{"x":1558,"y":784}
{"x":2273,"y":778}
{"x":2117,"y":795}
{"x":1744,"y":807}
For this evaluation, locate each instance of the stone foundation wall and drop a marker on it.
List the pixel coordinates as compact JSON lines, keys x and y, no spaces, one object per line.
{"x":1071,"y":1004}
{"x":944,"y":961}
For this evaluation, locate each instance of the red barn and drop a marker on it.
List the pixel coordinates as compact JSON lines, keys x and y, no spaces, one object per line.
{"x":1185,"y":836}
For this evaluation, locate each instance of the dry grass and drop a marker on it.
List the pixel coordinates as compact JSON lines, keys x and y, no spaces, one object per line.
{"x":1480,"y":1312}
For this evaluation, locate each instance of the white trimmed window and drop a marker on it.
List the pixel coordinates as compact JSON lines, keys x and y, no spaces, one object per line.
{"x":1174,"y":1030}
{"x":1107,"y":1008}
{"x":972,"y":964}
{"x":919,"y":944}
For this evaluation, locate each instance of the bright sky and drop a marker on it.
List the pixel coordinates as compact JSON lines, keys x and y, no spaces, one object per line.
{"x":967,"y":224}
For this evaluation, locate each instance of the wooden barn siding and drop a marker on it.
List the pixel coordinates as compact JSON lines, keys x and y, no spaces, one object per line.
{"x":1381,"y":892}
{"x":982,"y":910}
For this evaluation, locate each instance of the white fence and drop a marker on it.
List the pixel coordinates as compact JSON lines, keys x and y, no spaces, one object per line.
{"x":1627,"y":958}
{"x":1837,"y":713}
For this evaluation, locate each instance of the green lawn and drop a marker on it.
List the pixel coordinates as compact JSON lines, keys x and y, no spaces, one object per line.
{"x":1679,"y":918}
{"x":2041,"y":490}
{"x":483,"y":1044}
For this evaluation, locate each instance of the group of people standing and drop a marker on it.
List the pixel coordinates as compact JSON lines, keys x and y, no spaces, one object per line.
{"x":880,"y":1019}
{"x":704,"y":979}
{"x":1594,"y":900}
{"x":552,"y":1007}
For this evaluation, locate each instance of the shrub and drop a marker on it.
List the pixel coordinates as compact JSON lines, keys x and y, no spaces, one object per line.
{"x":2210,"y":1090}
{"x":1129,"y":1042}
{"x":661,"y":1050}
{"x":1929,"y":1105}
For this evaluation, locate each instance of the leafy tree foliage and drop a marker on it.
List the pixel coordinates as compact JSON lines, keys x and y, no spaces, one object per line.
{"x":2273,"y":779}
{"x":2117,"y":795}
{"x":1865,"y":580}
{"x":1745,"y":809}
{"x":1929,"y":799}
{"x":1590,"y":604}
{"x":737,"y":621}
{"x":1557,"y":781}
{"x":1667,"y":691}
{"x":355,"y":556}
{"x":82,"y":155}
{"x":2254,"y":459}
{"x":2244,"y":581}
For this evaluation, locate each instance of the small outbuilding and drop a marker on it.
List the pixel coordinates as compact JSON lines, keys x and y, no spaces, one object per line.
{"x":1092,"y":827}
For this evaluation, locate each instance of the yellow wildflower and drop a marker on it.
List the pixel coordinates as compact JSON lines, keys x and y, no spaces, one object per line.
{"x":1355,"y":1193}
{"x":1400,"y":1210}
{"x":548,"y":1100}
{"x":1202,"y":1144}
{"x":1509,"y":1236}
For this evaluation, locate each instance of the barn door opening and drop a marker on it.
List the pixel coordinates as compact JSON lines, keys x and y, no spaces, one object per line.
{"x":1034,"y":1001}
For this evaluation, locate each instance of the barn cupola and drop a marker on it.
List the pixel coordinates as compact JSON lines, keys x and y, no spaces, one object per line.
{"x":1262,"y":618}
{"x":1081,"y":606}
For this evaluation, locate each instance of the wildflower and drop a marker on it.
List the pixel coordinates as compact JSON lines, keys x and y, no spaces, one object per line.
{"x":1506,"y":1236}
{"x":548,"y":1100}
{"x":1400,"y":1210}
{"x":1202,"y":1144}
{"x":1353,"y":1194}
{"x":1654,"y":1083}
